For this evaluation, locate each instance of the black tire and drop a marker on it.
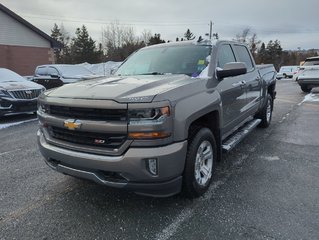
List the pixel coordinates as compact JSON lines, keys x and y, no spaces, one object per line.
{"x":199,"y":136}
{"x":305,"y":88}
{"x":266,"y":113}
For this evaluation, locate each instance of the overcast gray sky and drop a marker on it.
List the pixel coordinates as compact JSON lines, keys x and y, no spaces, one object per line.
{"x":294,"y":23}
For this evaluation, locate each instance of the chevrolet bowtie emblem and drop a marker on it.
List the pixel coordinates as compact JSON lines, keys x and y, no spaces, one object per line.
{"x":72,"y":124}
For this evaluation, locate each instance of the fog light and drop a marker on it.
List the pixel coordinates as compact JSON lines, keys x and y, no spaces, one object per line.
{"x":151,"y":165}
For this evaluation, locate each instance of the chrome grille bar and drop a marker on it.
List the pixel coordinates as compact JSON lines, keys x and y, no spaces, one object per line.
{"x":25,"y":94}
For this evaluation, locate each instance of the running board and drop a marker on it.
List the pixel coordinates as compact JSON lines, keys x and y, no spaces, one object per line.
{"x":242,"y":132}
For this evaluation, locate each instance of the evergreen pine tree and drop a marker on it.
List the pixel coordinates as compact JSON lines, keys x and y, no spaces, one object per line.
{"x":156,"y":39}
{"x":83,"y":47}
{"x":62,"y":55}
{"x":56,"y":35}
{"x":262,"y":54}
{"x":189,"y":35}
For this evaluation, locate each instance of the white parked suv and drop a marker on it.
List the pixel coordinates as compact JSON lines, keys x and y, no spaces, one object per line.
{"x":309,"y":63}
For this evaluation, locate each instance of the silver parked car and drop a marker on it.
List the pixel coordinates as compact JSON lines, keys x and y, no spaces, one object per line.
{"x":17,"y":95}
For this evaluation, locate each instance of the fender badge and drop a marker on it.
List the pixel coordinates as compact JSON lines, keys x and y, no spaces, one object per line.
{"x":99,"y":141}
{"x":72,"y":124}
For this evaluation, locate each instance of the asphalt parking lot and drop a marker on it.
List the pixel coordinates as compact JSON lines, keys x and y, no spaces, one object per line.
{"x":266,"y":188}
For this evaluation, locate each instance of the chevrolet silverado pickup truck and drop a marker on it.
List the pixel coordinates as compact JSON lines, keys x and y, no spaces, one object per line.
{"x":158,"y":126}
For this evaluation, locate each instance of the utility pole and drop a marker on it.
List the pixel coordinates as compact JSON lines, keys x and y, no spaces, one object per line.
{"x":210,"y":30}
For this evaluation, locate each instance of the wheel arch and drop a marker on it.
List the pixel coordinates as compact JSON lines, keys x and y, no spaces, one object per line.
{"x":210,"y":120}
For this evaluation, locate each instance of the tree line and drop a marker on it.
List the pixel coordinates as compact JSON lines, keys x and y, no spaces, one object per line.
{"x":118,"y":42}
{"x":272,"y":52}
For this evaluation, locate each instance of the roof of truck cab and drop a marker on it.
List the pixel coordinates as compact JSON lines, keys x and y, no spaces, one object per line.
{"x":312,"y":58}
{"x":183,"y":43}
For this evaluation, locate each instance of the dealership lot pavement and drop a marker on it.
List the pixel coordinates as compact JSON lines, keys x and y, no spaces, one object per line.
{"x":266,"y":188}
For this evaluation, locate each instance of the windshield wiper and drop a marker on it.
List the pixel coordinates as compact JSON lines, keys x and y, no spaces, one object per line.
{"x":152,"y":73}
{"x":147,"y":73}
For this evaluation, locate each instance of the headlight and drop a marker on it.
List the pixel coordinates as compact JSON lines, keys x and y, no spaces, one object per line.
{"x":42,"y":107}
{"x":2,"y":93}
{"x":148,"y":116}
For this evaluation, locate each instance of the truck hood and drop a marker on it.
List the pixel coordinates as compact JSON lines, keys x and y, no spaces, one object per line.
{"x":19,"y":85}
{"x":141,"y":88}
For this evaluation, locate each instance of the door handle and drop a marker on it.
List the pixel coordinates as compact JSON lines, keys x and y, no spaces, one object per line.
{"x":239,"y":84}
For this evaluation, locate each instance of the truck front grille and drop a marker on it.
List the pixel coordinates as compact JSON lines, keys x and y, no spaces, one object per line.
{"x":94,"y":114}
{"x":25,"y":94}
{"x":88,"y":138}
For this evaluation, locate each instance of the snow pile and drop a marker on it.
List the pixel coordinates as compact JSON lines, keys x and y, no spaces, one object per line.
{"x":102,"y":69}
{"x":311,"y":97}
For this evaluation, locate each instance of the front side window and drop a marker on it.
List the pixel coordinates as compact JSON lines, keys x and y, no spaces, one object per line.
{"x":41,"y":71}
{"x":53,"y":71}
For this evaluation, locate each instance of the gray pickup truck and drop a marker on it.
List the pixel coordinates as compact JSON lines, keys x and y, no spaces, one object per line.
{"x":161,"y":122}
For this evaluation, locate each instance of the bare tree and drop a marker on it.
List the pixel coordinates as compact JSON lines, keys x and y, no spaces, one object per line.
{"x":113,"y":35}
{"x":250,"y":38}
{"x":254,"y":44}
{"x":242,"y":37}
{"x":119,"y":41}
{"x":146,"y":36}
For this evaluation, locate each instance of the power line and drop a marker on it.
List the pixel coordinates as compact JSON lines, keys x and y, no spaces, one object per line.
{"x":130,"y":23}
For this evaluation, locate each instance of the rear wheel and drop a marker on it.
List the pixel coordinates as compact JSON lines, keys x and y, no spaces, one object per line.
{"x":266,"y":113}
{"x":200,"y":162}
{"x":305,"y":88}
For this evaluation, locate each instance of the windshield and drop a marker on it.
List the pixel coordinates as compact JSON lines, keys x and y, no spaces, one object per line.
{"x":190,"y":60}
{"x":7,"y":75}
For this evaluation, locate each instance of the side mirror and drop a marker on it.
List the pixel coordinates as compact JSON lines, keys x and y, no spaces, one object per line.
{"x":232,"y":69}
{"x":54,"y":76}
{"x":113,"y":70}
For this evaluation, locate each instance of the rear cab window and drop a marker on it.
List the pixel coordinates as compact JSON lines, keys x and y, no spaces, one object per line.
{"x":225,"y":55}
{"x":244,"y":56}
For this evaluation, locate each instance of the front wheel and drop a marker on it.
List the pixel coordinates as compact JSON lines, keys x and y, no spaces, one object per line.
{"x":200,"y":162}
{"x":266,"y":113}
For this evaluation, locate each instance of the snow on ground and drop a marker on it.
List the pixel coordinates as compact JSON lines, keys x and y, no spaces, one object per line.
{"x":6,"y":125}
{"x":311,"y":97}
